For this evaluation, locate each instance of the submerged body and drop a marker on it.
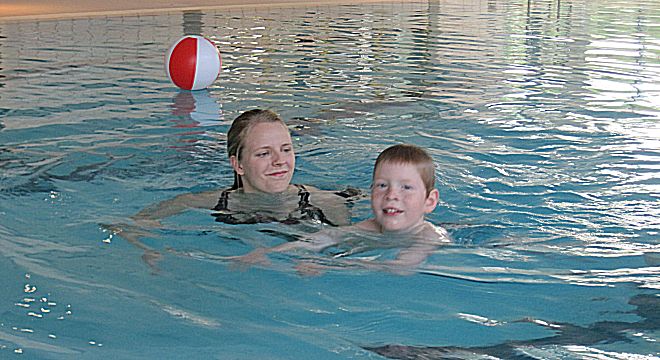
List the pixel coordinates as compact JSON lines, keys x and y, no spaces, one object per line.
{"x":402,"y":193}
{"x":261,"y":154}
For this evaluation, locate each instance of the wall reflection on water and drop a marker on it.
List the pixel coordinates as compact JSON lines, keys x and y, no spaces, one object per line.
{"x":441,"y":45}
{"x":567,"y":73}
{"x":545,"y":69}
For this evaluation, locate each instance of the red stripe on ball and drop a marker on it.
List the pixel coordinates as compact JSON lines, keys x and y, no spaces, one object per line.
{"x":183,"y":63}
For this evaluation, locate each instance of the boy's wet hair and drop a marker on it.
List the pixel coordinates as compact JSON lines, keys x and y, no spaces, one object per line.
{"x":239,"y":130}
{"x":410,"y":154}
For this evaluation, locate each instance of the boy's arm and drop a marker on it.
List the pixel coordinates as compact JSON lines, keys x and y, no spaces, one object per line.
{"x":431,"y":238}
{"x":315,"y":242}
{"x":411,"y":257}
{"x":405,"y":263}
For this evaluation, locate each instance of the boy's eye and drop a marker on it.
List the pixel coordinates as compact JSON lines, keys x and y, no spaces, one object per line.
{"x":381,"y":185}
{"x":407,"y":187}
{"x":287,"y":149}
{"x":262,"y":154}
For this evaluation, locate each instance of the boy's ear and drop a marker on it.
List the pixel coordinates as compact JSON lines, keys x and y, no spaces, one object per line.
{"x":431,"y":201}
{"x":236,"y":165}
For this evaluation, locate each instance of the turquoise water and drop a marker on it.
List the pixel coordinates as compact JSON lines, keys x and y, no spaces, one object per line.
{"x":542,"y":116}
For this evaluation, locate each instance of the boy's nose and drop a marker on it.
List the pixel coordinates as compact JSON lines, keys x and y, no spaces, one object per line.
{"x":391,"y":193}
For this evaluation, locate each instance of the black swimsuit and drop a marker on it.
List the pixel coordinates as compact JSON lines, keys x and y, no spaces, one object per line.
{"x":304,"y":211}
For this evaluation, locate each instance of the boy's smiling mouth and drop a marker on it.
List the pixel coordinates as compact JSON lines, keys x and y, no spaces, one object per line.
{"x":392,"y":211}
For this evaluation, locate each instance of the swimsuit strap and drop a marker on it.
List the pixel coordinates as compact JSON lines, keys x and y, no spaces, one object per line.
{"x":309,"y":210}
{"x":303,"y":202}
{"x":222,"y":201}
{"x":349,"y":193}
{"x":304,"y":197}
{"x":223,"y":215}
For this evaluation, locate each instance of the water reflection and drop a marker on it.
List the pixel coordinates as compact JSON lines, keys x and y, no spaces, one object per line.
{"x":558,"y":98}
{"x":2,"y":75}
{"x":192,"y":22}
{"x":196,"y":108}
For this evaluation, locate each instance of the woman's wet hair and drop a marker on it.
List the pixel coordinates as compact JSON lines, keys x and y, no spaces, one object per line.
{"x":410,"y":154}
{"x":239,"y":130}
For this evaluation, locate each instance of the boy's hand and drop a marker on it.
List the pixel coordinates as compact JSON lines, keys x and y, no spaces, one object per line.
{"x":148,"y":223}
{"x":128,"y":232}
{"x":255,"y":257}
{"x":310,"y":268}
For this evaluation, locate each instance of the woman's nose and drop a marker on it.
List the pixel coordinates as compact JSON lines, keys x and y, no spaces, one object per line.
{"x":277,"y":158}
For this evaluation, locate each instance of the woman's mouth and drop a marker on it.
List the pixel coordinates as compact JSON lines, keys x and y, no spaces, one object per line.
{"x":278,"y":173}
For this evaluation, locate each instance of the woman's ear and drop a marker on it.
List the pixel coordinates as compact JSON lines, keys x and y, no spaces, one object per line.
{"x":431,"y":201}
{"x":236,"y":165}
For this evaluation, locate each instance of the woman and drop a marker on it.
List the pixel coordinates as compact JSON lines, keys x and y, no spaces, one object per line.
{"x":261,"y":154}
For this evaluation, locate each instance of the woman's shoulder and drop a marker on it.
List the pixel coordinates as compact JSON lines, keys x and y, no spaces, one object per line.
{"x":203,"y":199}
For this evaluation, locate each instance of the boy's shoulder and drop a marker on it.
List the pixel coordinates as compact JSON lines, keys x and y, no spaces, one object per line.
{"x":436,"y":233}
{"x":368,"y":225}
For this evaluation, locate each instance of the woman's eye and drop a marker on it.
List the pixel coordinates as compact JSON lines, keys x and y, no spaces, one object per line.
{"x":287,"y":149}
{"x":262,"y":154}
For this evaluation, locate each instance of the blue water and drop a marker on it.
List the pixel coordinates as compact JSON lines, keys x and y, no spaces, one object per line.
{"x":542,"y":116}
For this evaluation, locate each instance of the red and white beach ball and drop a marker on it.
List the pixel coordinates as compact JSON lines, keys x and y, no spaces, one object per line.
{"x":193,"y":63}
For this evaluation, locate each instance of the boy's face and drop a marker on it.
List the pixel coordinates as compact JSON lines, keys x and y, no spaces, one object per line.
{"x":398,"y":197}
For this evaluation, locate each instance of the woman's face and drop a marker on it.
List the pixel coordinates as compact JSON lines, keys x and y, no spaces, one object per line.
{"x":266,"y":160}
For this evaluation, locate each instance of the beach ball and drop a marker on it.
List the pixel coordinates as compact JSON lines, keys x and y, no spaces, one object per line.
{"x":193,"y":63}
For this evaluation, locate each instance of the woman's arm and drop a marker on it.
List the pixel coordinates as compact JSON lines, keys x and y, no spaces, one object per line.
{"x":152,"y":215}
{"x":405,"y":263}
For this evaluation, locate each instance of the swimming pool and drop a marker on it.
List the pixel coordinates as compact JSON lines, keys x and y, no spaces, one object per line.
{"x":542,"y":116}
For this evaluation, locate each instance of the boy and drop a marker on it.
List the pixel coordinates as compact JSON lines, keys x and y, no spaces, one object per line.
{"x":402,"y":193}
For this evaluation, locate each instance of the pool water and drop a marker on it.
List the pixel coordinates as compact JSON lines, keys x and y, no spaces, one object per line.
{"x":543,"y":118}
